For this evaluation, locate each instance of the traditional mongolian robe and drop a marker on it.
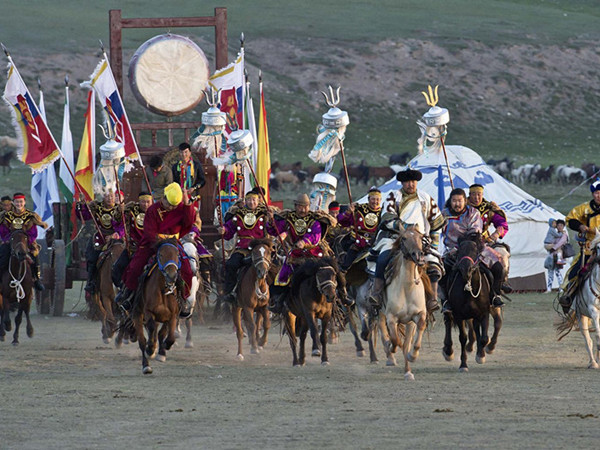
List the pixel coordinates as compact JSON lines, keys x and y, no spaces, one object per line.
{"x":161,"y":224}
{"x":248,"y":224}
{"x":491,"y":214}
{"x":28,"y":221}
{"x":469,"y":221}
{"x":363,"y":224}
{"x":109,"y":220}
{"x":585,"y":214}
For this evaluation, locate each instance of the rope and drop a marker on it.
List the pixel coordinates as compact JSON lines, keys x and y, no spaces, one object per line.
{"x":15,"y":283}
{"x":576,"y":187}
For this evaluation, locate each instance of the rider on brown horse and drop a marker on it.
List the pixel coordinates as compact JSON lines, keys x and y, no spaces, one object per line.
{"x":304,"y":229}
{"x":134,"y":227}
{"x":248,"y":222}
{"x":20,"y":218}
{"x":108,"y":215}
{"x":171,"y":217}
{"x":363,"y":221}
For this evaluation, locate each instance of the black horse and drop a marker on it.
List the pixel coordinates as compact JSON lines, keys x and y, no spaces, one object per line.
{"x":469,"y":299}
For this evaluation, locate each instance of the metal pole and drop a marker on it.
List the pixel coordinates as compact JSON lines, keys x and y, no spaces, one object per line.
{"x":447,"y":163}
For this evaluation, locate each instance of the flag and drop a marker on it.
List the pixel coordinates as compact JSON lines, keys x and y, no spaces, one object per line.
{"x":250,"y":125}
{"x":44,"y":190}
{"x":263,"y":155}
{"x":66,"y":183}
{"x":230,"y":81}
{"x":103,"y":83}
{"x":37,"y":147}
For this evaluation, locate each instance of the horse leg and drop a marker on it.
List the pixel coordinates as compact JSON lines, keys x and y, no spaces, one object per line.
{"x":2,"y":331}
{"x":18,"y":319}
{"x":393,"y":342}
{"x":188,"y":335}
{"x":239,"y":332}
{"x":462,"y":337}
{"x":324,"y":326}
{"x":170,"y":329}
{"x":248,"y":314}
{"x":409,"y":335}
{"x":497,"y":315}
{"x":584,"y":324}
{"x":7,"y":323}
{"x":290,"y":327}
{"x":314,"y":333}
{"x":141,"y":338}
{"x":421,"y":323}
{"x":303,"y":332}
{"x":481,"y":333}
{"x":447,"y":350}
{"x":360,"y":351}
{"x":472,"y":336}
{"x":266,"y":320}
{"x":29,"y":328}
{"x":162,"y":334}
{"x":152,"y":329}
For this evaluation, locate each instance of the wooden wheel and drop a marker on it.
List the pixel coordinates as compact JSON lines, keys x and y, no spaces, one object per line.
{"x":59,"y":266}
{"x":43,"y":299}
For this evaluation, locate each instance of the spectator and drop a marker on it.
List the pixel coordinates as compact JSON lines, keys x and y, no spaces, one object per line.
{"x":159,"y":176}
{"x":555,"y":240}
{"x":188,"y":172}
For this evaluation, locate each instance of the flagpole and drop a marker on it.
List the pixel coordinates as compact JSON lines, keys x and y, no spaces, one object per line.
{"x":127,"y":119}
{"x":122,"y":207}
{"x":447,"y":163}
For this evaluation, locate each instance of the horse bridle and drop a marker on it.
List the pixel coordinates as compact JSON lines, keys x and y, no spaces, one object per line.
{"x":163,"y":267}
{"x":323,"y":284}
{"x":255,"y":262}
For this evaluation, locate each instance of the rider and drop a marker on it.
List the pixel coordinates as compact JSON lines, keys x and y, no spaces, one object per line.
{"x":414,"y":207}
{"x":203,"y":254}
{"x":6,"y":203}
{"x":462,"y":219}
{"x":305,"y":228}
{"x":491,"y":214}
{"x":363,"y":220}
{"x":20,"y":218}
{"x":109,"y":219}
{"x":134,"y":230}
{"x":585,"y":219}
{"x":171,"y":217}
{"x":249,"y":222}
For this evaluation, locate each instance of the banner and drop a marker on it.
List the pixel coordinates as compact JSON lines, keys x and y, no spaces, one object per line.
{"x":103,"y":83}
{"x":263,"y":154}
{"x":66,"y":183}
{"x":230,"y":81}
{"x":250,"y":125}
{"x":84,"y":170}
{"x":37,"y":148}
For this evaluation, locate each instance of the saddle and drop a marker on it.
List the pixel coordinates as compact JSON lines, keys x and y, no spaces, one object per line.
{"x":357,"y":274}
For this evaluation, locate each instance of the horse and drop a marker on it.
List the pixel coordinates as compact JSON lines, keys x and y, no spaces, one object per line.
{"x":585,"y":308}
{"x":5,"y":160}
{"x":104,"y":298}
{"x":404,"y":306}
{"x":252,"y":297}
{"x":17,"y":286}
{"x":313,"y":296}
{"x":469,"y":298}
{"x":156,"y":302}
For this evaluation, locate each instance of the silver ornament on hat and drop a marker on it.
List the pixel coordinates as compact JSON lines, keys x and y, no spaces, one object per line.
{"x":433,"y":123}
{"x":335,"y":117}
{"x":239,"y":142}
{"x":112,"y":154}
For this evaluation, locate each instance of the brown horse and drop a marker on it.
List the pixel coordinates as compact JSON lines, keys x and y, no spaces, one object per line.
{"x":252,"y":296}
{"x":105,"y":294}
{"x":156,"y":302}
{"x":17,"y":286}
{"x":313,"y":296}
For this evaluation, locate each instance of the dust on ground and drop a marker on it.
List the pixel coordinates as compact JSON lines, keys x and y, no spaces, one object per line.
{"x":66,"y":389}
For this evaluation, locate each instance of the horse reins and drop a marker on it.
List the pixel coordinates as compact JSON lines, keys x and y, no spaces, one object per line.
{"x":162,"y":267}
{"x":323,"y":284}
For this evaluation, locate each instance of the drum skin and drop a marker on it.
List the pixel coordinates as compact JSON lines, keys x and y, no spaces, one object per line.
{"x":168,"y":74}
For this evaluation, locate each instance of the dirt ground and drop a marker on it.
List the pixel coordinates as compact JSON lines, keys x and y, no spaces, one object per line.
{"x":66,"y":389}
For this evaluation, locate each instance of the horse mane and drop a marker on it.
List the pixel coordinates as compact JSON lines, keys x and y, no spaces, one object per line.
{"x":309,"y":268}
{"x":474,"y":237}
{"x":502,"y":244}
{"x":263,"y":241}
{"x":172,"y":241}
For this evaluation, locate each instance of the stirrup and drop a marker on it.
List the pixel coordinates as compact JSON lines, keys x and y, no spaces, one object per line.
{"x":497,"y":301}
{"x":446,"y":307}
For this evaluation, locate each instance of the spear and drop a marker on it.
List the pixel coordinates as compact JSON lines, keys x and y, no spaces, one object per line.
{"x":446,"y":158}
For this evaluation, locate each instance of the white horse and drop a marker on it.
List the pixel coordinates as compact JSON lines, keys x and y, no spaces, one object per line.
{"x":405,"y":306}
{"x":586,"y":306}
{"x":190,"y":250}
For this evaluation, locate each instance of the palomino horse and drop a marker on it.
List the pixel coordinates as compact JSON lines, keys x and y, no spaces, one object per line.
{"x":252,"y":297}
{"x":17,"y":286}
{"x":313,"y":296}
{"x":405,"y":299}
{"x":105,"y":294}
{"x":586,"y":306}
{"x":157,"y":303}
{"x":469,"y":298}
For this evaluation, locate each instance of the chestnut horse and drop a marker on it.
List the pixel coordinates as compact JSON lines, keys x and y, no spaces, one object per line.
{"x":105,"y":294}
{"x":156,"y":302}
{"x":17,"y":286}
{"x":252,"y":295}
{"x":469,"y":298}
{"x":313,"y":296}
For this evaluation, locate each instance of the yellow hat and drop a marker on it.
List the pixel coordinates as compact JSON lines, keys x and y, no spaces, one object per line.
{"x":174,"y":194}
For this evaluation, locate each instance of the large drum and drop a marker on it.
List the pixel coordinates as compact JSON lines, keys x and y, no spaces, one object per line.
{"x":168,"y":74}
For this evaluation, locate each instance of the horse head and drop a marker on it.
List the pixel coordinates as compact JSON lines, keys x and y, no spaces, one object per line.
{"x":167,"y":258}
{"x":326,"y":278}
{"x":469,"y":248}
{"x":410,"y":243}
{"x":261,"y":251}
{"x":19,"y":244}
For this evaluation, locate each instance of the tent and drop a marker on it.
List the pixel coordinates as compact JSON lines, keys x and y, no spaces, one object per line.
{"x":527,"y":216}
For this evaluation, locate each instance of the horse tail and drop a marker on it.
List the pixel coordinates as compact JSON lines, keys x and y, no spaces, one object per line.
{"x":565,"y":324}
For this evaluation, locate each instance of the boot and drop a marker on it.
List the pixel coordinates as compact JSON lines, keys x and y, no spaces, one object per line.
{"x":90,"y":286}
{"x":507,"y":288}
{"x":35,"y":269}
{"x":229,"y":294}
{"x":278,"y":294}
{"x":431,"y":300}
{"x":123,"y":299}
{"x":565,"y":301}
{"x":376,"y":298}
{"x":497,"y":301}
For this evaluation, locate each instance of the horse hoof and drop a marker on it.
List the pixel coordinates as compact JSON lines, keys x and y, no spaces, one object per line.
{"x":177,"y":334}
{"x":126,"y":341}
{"x":147,"y":370}
{"x":489,"y":350}
{"x":593,"y":365}
{"x":260,"y":348}
{"x":188,"y":344}
{"x":391,"y":362}
{"x":239,"y":357}
{"x":324,"y":363}
{"x":463,"y":369}
{"x":480,"y":359}
{"x":447,"y":357}
{"x":151,"y":355}
{"x":360,"y":353}
{"x":15,"y":343}
{"x":30,"y":333}
{"x":118,"y":344}
{"x":316,"y":352}
{"x":161,"y":358}
{"x":375,"y":361}
{"x":106,"y":340}
{"x":469,"y":349}
{"x":254,"y":351}
{"x":408,"y":376}
{"x":299,"y":365}
{"x":1,"y":338}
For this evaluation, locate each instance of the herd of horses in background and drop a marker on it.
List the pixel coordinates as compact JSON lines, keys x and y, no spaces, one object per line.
{"x":537,"y":174}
